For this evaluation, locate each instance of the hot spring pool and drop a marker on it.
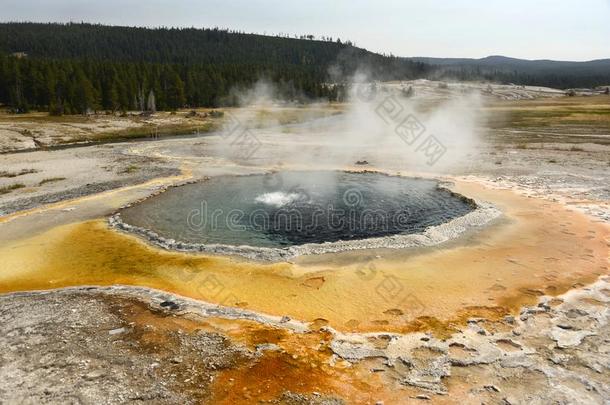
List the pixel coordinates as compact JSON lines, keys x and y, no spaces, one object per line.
{"x":294,"y":208}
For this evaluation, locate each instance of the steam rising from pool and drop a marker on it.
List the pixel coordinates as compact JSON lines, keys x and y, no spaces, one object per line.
{"x":381,"y":123}
{"x":277,"y":198}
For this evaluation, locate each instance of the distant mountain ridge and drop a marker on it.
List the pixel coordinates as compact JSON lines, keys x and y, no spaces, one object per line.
{"x":553,"y":73}
{"x":505,"y":61}
{"x":499,"y":59}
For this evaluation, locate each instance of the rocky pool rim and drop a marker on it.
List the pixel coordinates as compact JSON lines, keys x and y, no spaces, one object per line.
{"x":482,"y":214}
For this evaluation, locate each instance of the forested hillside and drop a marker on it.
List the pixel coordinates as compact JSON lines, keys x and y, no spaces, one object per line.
{"x":75,"y":68}
{"x":72,"y":68}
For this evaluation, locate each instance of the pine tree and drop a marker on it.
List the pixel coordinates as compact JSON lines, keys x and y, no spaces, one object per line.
{"x":114,"y":99}
{"x":175,"y":92}
{"x":84,"y":100}
{"x":16,"y":97}
{"x":140,"y":99}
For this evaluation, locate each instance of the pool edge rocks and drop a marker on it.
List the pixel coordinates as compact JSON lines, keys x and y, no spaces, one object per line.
{"x":482,"y":214}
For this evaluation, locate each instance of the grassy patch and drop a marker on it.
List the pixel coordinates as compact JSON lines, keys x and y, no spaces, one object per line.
{"x":540,"y":113}
{"x":19,"y":173}
{"x":129,"y":169}
{"x":147,"y":131}
{"x":576,"y":149}
{"x":42,"y":117}
{"x":8,"y":189}
{"x":51,"y":180}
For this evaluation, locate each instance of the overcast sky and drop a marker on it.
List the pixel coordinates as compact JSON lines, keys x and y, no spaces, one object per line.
{"x":531,"y":29}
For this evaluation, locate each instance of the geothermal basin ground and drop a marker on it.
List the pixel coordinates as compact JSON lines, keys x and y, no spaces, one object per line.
{"x":508,"y":309}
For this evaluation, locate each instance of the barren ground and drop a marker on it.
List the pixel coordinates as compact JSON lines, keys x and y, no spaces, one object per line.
{"x":514,"y":313}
